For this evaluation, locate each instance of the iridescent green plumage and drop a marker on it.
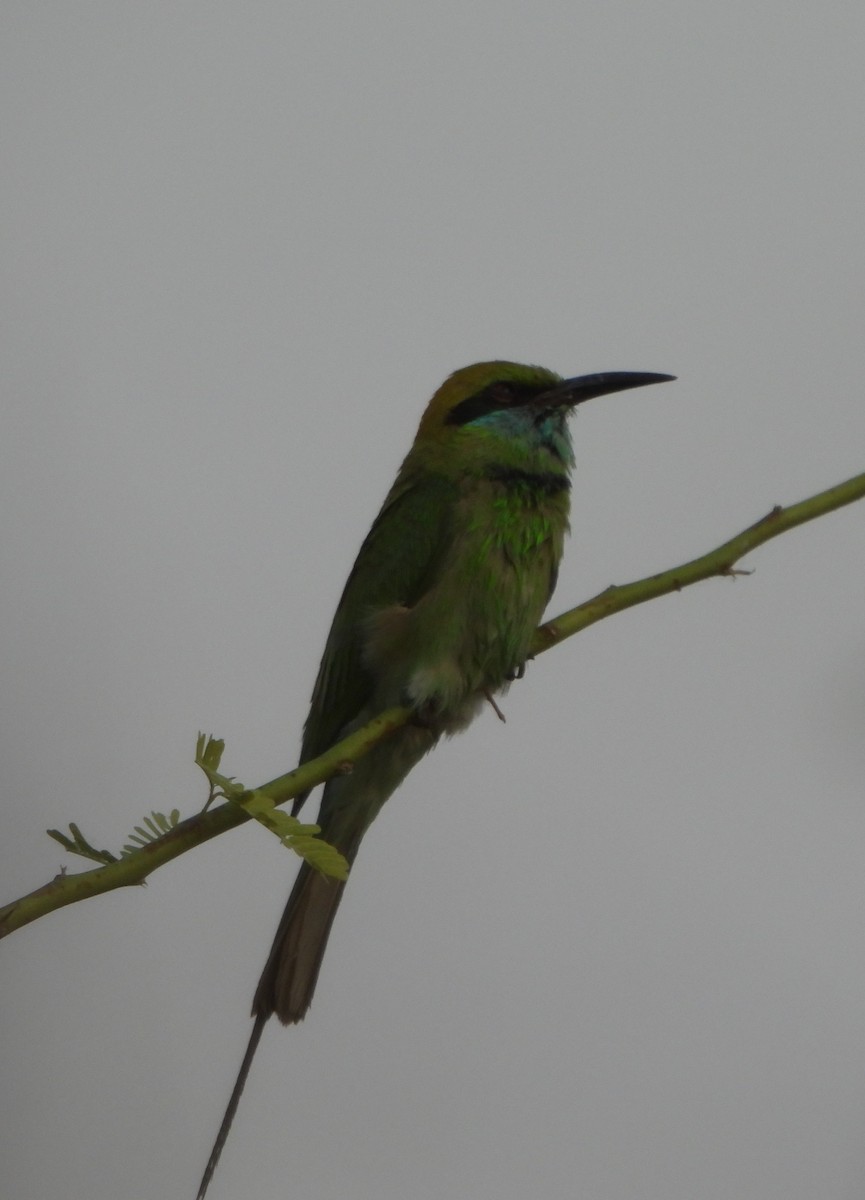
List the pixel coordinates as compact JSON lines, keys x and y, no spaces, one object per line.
{"x":432,"y":503}
{"x":438,"y":613}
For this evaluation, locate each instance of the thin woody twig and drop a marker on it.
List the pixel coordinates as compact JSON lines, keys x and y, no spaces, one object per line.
{"x":135,"y":868}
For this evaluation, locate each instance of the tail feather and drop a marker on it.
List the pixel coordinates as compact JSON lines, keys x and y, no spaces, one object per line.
{"x":221,"y":1137}
{"x":288,"y":980}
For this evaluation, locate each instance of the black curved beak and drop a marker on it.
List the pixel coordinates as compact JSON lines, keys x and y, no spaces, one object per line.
{"x":586,"y":387}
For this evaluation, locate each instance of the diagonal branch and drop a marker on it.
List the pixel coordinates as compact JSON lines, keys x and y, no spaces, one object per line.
{"x":719,"y":561}
{"x":134,"y":868}
{"x":67,"y":889}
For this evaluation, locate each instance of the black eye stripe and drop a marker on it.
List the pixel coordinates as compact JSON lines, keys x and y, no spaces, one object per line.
{"x":493,"y":398}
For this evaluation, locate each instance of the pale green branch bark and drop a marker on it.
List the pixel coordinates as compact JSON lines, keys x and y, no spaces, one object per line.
{"x":67,"y":889}
{"x":720,"y":561}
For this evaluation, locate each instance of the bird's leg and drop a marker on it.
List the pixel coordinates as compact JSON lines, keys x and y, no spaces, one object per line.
{"x":492,"y":701}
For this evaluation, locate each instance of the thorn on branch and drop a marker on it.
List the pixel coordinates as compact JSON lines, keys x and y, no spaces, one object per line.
{"x":770,"y":517}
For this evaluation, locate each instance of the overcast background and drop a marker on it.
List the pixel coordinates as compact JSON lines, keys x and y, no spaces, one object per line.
{"x":614,"y":949}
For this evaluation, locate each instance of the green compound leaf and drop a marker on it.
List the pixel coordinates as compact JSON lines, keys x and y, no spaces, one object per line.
{"x":208,"y":756}
{"x":157,"y":824}
{"x":302,"y":839}
{"x":79,"y":845}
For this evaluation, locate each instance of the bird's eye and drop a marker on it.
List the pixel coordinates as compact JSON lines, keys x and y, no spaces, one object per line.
{"x":503,"y":393}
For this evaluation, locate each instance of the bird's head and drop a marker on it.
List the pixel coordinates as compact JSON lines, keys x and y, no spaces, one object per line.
{"x":525,"y":406}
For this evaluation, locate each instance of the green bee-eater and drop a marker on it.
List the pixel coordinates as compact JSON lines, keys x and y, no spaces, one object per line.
{"x":438,"y":614}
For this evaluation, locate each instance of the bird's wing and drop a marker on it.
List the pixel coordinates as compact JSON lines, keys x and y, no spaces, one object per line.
{"x":396,"y":565}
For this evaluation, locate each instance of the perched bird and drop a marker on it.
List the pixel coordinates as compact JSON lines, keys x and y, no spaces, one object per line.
{"x":438,"y":614}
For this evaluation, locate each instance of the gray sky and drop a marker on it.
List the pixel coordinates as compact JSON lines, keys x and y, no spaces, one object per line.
{"x":613,"y":949}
